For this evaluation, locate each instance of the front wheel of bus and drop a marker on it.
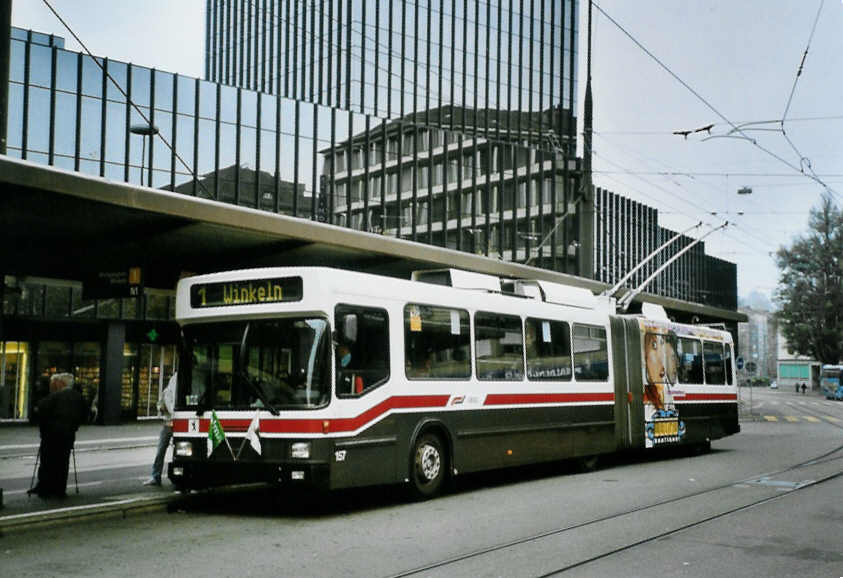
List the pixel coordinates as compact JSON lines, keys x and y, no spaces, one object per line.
{"x":429,"y":467}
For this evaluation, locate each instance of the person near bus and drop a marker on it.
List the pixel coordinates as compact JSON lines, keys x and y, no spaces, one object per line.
{"x":166,"y":403}
{"x":59,"y":416}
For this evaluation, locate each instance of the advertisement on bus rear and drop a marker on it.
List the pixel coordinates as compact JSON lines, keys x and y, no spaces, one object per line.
{"x":662,"y":423}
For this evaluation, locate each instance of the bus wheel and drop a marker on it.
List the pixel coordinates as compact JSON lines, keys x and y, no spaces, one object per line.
{"x":429,"y":467}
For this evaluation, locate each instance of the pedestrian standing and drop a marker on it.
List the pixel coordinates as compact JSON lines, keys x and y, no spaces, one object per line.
{"x":59,"y":416}
{"x":166,"y":401}
{"x":797,"y":387}
{"x":804,"y":388}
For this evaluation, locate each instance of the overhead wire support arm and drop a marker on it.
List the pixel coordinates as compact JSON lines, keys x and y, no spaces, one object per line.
{"x":647,"y":259}
{"x":626,"y":300}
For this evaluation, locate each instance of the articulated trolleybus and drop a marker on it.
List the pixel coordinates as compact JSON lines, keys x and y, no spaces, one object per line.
{"x":335,"y":379}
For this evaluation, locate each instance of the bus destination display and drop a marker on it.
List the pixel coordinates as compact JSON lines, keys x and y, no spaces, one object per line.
{"x":246,"y":292}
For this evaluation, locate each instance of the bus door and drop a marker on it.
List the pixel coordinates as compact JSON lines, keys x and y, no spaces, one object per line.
{"x":629,"y":385}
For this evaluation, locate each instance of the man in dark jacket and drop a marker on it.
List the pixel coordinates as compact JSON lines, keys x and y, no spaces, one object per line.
{"x":59,"y":416}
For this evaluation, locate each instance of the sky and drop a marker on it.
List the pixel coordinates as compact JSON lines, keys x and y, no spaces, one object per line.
{"x":730,"y":63}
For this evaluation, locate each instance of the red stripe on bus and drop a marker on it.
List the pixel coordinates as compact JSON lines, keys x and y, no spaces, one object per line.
{"x":526,"y":398}
{"x":710,"y":397}
{"x":270,"y":425}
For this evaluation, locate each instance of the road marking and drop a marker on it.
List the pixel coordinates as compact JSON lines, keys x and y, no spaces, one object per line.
{"x":791,"y":419}
{"x":832,"y":419}
{"x":811,"y":418}
{"x":771,"y":418}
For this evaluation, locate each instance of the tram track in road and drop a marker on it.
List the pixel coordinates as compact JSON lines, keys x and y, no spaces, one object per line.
{"x":824,"y":458}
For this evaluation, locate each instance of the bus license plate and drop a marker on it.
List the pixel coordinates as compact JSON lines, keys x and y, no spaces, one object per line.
{"x":666,"y":428}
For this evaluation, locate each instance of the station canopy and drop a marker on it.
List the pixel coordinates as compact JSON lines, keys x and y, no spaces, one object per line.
{"x":69,"y":225}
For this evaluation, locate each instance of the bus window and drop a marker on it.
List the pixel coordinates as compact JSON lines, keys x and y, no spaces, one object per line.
{"x":690,"y":361}
{"x":362,"y":355}
{"x":498,"y":346}
{"x":548,"y":350}
{"x":714,"y":369}
{"x":591,"y":355}
{"x":729,"y":379}
{"x":284,"y":364}
{"x":436,"y":342}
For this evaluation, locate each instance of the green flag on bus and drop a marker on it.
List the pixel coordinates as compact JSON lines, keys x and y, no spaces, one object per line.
{"x":216,"y":435}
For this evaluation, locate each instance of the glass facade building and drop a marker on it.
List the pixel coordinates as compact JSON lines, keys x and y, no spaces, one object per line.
{"x":393,"y":59}
{"x":444,"y":122}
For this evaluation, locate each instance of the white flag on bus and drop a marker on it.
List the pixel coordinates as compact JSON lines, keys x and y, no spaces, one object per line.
{"x":252,"y":433}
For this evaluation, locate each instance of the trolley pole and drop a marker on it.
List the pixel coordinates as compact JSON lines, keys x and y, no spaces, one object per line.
{"x":5,"y":54}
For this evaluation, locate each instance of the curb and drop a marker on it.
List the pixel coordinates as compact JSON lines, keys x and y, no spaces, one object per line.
{"x":120,"y":508}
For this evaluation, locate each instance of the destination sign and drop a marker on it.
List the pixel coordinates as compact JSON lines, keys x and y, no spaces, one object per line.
{"x":246,"y":292}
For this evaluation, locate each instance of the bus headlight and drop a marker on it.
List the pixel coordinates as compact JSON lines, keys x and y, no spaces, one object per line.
{"x":184,"y":449}
{"x":300,"y":450}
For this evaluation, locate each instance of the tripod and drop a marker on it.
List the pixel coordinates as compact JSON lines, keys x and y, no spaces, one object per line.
{"x":31,"y":489}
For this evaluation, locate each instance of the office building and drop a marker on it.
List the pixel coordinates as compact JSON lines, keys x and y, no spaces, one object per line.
{"x":449,"y":122}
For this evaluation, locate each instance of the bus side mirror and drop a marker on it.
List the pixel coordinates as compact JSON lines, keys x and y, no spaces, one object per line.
{"x":349,"y":327}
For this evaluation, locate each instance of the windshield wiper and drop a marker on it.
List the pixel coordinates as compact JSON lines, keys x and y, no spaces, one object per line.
{"x":200,"y":406}
{"x":258,"y":391}
{"x":244,"y":376}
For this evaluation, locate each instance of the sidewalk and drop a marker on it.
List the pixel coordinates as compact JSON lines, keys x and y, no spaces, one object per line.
{"x":23,"y":439}
{"x":98,"y":495}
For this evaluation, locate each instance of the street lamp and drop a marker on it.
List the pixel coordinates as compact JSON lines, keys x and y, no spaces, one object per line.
{"x":145,"y":130}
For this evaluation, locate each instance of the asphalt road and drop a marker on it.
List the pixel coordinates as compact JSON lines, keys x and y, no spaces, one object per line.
{"x":763,"y":503}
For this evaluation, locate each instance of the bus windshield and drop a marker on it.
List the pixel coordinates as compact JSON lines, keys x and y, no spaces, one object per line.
{"x":259,"y":364}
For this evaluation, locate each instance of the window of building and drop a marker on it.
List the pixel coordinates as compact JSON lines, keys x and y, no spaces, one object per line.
{"x":715,"y":371}
{"x":591,"y":355}
{"x":690,"y":360}
{"x":376,"y":155}
{"x":407,"y":178}
{"x":362,"y":350}
{"x":794,"y":371}
{"x":436,"y":342}
{"x":407,"y":144}
{"x":436,"y":174}
{"x":453,"y":165}
{"x":498,"y":346}
{"x":548,"y":349}
{"x":357,"y":158}
{"x":424,"y":177}
{"x":392,"y":148}
{"x":421,"y":140}
{"x":436,"y":137}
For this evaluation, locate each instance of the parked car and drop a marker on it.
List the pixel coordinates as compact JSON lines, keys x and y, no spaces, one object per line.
{"x":774,"y":385}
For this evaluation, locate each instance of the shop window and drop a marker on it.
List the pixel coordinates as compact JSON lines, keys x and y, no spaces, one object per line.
{"x":498,"y":346}
{"x":436,"y":342}
{"x":362,"y":349}
{"x":548,"y":350}
{"x":591,"y":356}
